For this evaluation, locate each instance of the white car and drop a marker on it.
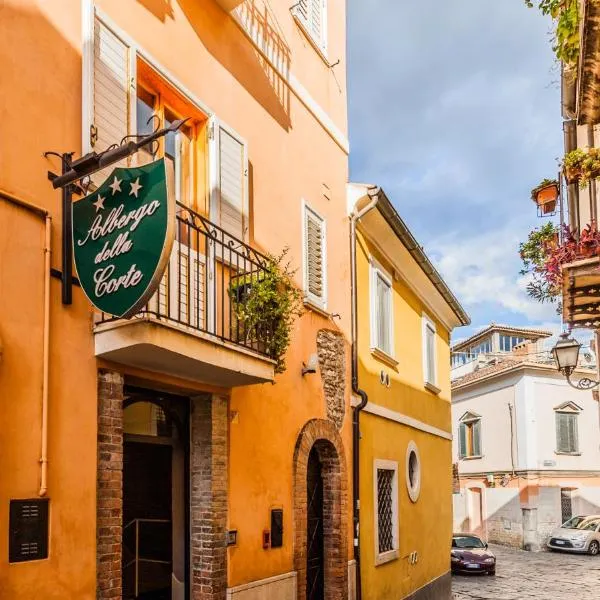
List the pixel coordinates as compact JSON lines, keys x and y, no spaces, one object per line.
{"x":579,"y":534}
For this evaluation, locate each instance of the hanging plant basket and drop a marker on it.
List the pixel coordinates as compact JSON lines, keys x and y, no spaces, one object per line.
{"x":545,"y":196}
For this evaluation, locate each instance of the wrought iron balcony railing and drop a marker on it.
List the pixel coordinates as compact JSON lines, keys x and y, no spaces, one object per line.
{"x":206,"y":282}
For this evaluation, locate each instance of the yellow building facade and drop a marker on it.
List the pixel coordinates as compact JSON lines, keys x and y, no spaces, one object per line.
{"x":405,"y":316}
{"x":162,"y":454}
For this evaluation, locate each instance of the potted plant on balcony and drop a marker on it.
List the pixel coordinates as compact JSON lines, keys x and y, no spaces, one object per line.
{"x":545,"y":195}
{"x":265,"y":305}
{"x":582,"y":165}
{"x":544,"y":254}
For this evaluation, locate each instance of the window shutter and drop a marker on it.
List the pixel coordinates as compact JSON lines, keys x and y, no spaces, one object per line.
{"x":430,"y":354}
{"x":232,"y":184}
{"x":312,"y":13}
{"x":573,"y":442}
{"x":462,"y":440}
{"x":111,"y":97}
{"x":562,"y":432}
{"x":383,"y":315}
{"x":314,"y":257}
{"x":477,"y":438}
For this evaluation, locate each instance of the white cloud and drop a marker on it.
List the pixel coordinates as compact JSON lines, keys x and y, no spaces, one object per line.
{"x":483,"y":269}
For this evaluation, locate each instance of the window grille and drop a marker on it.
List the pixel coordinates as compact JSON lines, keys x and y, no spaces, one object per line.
{"x":385,"y":513}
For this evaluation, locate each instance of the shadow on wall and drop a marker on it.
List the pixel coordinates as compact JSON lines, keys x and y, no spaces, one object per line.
{"x":161,"y":9}
{"x":507,"y":520}
{"x":225,"y":41}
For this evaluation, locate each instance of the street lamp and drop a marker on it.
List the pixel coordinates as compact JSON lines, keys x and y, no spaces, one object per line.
{"x":566,"y":354}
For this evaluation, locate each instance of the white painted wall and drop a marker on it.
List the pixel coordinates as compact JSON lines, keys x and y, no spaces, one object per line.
{"x":491,"y":402}
{"x":534,"y":395}
{"x":552,"y":392}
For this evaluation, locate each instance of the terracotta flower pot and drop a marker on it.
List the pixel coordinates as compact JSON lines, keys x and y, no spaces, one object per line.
{"x":573,"y":174}
{"x":546,"y":198}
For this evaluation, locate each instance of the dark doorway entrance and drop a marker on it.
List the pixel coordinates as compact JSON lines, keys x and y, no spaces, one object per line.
{"x":155,"y":491}
{"x":315,"y":576}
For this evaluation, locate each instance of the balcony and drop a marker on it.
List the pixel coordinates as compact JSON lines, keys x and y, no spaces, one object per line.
{"x":581,"y":293}
{"x":189,"y":327}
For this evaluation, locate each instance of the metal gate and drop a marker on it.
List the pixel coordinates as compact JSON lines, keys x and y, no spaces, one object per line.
{"x":566,"y":504}
{"x":315,"y":581}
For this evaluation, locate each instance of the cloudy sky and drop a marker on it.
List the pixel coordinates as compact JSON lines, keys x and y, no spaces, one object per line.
{"x":455,"y":112}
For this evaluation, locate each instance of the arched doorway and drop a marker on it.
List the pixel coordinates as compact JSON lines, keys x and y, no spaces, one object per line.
{"x":321,"y":519}
{"x":315,"y":558}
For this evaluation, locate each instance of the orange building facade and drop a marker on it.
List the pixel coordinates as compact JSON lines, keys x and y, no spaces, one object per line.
{"x":162,"y":456}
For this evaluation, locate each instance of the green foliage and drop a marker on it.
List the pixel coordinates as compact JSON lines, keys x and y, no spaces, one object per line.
{"x":566,"y":15}
{"x":266,"y":304}
{"x":535,"y":253}
{"x":582,"y":165}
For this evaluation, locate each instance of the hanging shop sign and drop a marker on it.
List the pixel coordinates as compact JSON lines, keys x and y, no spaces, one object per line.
{"x":122,"y":238}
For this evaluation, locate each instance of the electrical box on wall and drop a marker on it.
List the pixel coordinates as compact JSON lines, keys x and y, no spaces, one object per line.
{"x":276,"y":528}
{"x":28,"y":530}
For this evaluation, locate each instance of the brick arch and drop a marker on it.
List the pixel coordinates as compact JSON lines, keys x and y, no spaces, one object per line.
{"x":323,"y":435}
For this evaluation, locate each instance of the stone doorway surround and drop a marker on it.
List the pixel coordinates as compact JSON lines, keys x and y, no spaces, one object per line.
{"x":208,"y":491}
{"x":324,"y":436}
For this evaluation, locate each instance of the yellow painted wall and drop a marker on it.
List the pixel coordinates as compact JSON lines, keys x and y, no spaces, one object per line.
{"x":425,"y":527}
{"x":291,"y":157}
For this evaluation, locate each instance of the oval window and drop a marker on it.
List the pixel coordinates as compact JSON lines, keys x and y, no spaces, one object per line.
{"x":413,"y":471}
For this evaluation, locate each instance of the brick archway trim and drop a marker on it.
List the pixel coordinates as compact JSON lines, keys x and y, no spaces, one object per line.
{"x":324,"y":436}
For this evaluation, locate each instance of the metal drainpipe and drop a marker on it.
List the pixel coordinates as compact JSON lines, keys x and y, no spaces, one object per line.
{"x":45,"y":215}
{"x":570,"y":142}
{"x":374,"y":195}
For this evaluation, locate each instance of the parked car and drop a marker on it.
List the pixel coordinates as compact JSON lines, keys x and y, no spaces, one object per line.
{"x":470,"y":554}
{"x":580,"y":534}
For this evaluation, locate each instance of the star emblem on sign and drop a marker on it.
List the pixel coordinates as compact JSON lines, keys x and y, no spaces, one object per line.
{"x":115,"y":186}
{"x":135,"y":187}
{"x":99,"y":204}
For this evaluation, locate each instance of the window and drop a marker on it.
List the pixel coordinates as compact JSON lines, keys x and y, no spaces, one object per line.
{"x":469,"y":436}
{"x":312,"y":16}
{"x":429,"y":354}
{"x":382,"y":316}
{"x":485,"y":346}
{"x":315,"y":255}
{"x":386,"y":510}
{"x":566,"y":505}
{"x":507,"y":342}
{"x":567,"y":435}
{"x":413,"y":472}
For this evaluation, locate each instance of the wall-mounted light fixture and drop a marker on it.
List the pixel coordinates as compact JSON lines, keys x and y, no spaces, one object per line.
{"x":311,"y":365}
{"x":566,"y":354}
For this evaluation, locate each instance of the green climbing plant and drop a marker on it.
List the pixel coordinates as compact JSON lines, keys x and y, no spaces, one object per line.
{"x":565,"y":13}
{"x":265,"y":304}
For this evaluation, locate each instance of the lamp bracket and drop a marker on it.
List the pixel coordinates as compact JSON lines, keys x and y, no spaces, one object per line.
{"x":584,"y":384}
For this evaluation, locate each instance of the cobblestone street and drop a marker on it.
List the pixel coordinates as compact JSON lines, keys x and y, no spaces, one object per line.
{"x":524,"y":575}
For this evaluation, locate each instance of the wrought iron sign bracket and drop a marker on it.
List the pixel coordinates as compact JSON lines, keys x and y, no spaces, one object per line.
{"x":585,"y":383}
{"x":69,"y":181}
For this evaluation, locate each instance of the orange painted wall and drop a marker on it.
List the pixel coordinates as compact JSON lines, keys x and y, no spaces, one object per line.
{"x":292,"y":158}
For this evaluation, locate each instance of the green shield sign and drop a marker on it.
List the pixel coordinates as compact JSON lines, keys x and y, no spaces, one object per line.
{"x":122,"y":238}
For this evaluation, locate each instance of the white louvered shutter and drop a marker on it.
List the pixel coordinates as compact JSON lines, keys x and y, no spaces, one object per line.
{"x":313,"y":14}
{"x":314,"y":257}
{"x":232,"y":184}
{"x":462,"y":440}
{"x":111,"y":97}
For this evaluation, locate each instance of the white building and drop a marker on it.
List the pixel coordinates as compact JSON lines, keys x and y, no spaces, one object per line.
{"x":527,"y":445}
